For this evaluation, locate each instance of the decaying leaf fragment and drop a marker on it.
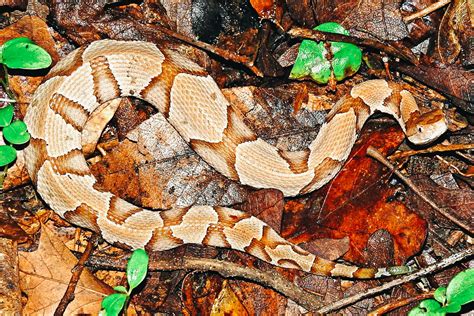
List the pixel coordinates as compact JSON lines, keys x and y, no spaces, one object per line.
{"x":45,"y":274}
{"x":456,"y":32}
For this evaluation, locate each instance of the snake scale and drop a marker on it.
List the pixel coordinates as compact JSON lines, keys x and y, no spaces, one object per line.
{"x":194,"y":105}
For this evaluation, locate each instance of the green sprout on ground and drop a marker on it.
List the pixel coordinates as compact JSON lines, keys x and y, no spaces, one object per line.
{"x":325,"y":61}
{"x":18,"y":53}
{"x":460,"y":291}
{"x":137,"y":268}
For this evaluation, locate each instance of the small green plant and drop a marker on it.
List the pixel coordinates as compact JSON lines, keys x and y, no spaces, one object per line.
{"x":21,"y":53}
{"x":18,"y":53}
{"x":315,"y":61}
{"x":460,"y":291}
{"x":15,"y":133}
{"x":137,"y":268}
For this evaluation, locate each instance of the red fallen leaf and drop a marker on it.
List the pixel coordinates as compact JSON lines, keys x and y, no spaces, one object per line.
{"x":268,"y":9}
{"x":358,"y":203}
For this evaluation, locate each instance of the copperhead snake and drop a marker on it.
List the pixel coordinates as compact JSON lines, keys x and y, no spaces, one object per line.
{"x":193,"y":103}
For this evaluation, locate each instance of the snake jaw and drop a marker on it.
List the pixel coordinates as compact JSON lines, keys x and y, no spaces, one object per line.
{"x":429,"y":127}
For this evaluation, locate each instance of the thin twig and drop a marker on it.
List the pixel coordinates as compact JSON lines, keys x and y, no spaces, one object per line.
{"x":401,"y":52}
{"x":399,"y":303}
{"x":7,"y":100}
{"x":386,"y":286}
{"x":429,"y":9}
{"x":270,"y":279}
{"x":374,"y":153}
{"x":228,"y":55}
{"x":451,"y":167}
{"x":76,"y":275}
{"x":433,"y":149}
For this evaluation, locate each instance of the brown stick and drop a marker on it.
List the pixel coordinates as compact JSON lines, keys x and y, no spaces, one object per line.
{"x":433,"y":149}
{"x":401,"y":52}
{"x":407,"y":278}
{"x":399,"y":303}
{"x":374,"y":153}
{"x":228,"y":55}
{"x":431,"y":8}
{"x":271,"y":279}
{"x":76,"y":275}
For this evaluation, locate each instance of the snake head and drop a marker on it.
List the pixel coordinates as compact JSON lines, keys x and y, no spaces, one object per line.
{"x":427,"y":127}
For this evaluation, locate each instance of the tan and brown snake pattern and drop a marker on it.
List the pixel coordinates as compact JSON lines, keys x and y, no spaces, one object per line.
{"x":193,"y":103}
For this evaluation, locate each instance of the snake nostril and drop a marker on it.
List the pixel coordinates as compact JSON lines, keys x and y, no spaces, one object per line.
{"x":420,"y":130}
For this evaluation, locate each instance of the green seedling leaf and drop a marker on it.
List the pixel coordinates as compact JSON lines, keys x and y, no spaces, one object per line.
{"x":137,"y":268}
{"x":6,"y":115}
{"x":15,"y":41}
{"x":16,"y":133}
{"x":460,"y":291}
{"x":440,"y":295}
{"x":427,"y":307}
{"x":22,"y":53}
{"x":114,"y":303}
{"x":7,"y":155}
{"x":312,"y":60}
{"x":121,"y":289}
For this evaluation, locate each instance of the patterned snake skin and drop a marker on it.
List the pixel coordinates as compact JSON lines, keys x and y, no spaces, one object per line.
{"x":193,"y":103}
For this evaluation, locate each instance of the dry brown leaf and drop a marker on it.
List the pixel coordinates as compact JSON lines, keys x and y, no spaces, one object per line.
{"x":457,"y":202}
{"x":227,"y":303}
{"x":266,"y":204}
{"x":257,"y":299}
{"x":331,"y":249}
{"x":380,"y":19}
{"x":456,"y":32}
{"x":199,"y":291}
{"x":45,"y":274}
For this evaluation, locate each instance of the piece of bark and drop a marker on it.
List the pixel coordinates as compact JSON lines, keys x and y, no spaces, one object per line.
{"x":10,"y":294}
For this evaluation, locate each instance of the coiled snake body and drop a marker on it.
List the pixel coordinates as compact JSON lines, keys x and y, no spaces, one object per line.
{"x":195,"y":106}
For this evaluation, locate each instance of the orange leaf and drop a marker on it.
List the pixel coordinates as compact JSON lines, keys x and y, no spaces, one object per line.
{"x":358,"y":202}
